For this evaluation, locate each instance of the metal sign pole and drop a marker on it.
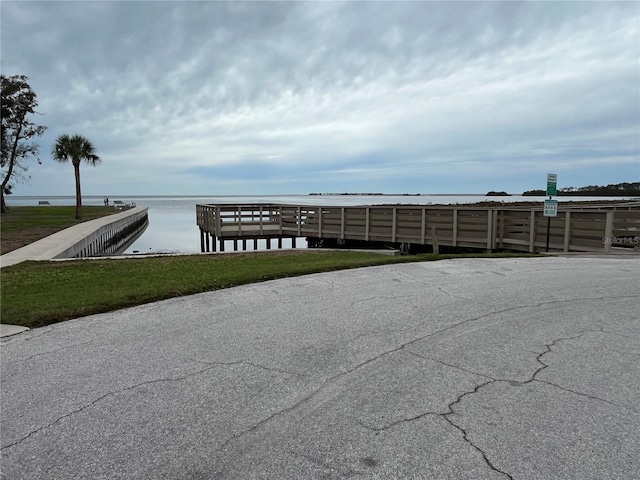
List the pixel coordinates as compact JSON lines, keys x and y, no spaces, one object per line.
{"x":548,"y":231}
{"x":550,"y":205}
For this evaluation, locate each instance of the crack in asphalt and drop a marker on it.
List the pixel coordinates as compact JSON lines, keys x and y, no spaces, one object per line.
{"x":11,"y":375}
{"x":437,"y":287}
{"x":511,"y":309}
{"x":608,"y":332}
{"x":592,"y":397}
{"x":465,"y":435}
{"x":255,"y":365}
{"x":451,"y":407}
{"x":450,"y":365}
{"x":327,"y":382}
{"x":399,"y":422}
{"x":477,"y":448}
{"x":544,"y":366}
{"x":445,"y":416}
{"x":102,"y":397}
{"x":321,"y":463}
{"x":548,"y":350}
{"x":21,"y":338}
{"x":211,"y":365}
{"x":378,"y":297}
{"x":58,"y":350}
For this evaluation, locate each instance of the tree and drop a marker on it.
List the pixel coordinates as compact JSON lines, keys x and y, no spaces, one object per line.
{"x":18,"y":103}
{"x":76,"y":149}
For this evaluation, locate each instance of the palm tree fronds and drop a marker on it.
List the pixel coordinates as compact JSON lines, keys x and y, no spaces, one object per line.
{"x":76,"y":148}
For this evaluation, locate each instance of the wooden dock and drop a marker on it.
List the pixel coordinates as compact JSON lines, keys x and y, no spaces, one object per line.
{"x":576,"y":229}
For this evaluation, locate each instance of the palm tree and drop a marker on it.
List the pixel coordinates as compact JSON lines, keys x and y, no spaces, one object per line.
{"x":76,"y":148}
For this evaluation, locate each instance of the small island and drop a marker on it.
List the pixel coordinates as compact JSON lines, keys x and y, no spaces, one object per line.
{"x":497,"y":194}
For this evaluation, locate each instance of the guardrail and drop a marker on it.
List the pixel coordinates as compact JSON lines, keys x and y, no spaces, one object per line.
{"x":522,"y":229}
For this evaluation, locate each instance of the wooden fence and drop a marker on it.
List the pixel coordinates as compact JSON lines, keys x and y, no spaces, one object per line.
{"x":580,"y":229}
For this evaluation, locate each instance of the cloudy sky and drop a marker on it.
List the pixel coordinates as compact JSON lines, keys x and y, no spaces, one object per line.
{"x":210,"y":98}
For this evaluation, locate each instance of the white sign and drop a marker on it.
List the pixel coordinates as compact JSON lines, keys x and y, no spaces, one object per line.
{"x":550,"y":208}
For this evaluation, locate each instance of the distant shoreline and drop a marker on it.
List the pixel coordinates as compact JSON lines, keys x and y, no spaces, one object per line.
{"x":100,"y":197}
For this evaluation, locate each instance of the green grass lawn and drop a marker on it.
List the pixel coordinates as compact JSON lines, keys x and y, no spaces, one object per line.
{"x":35,"y":294}
{"x":20,"y":218}
{"x":25,"y":225}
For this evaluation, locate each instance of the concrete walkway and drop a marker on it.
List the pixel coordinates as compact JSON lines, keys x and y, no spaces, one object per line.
{"x":50,"y":247}
{"x":460,"y":369}
{"x":9,"y":330}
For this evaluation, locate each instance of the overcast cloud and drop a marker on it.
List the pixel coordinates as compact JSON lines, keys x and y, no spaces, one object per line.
{"x":209,"y":98}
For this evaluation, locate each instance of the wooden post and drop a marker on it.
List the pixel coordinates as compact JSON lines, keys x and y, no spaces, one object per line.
{"x":244,"y":244}
{"x":218,"y":230}
{"x":342,"y":223}
{"x":235,"y":244}
{"x":261,"y":225}
{"x":494,"y":228}
{"x":280,"y":243}
{"x":548,"y":232}
{"x":394,"y":219}
{"x":293,"y":242}
{"x":367,"y":221}
{"x":299,"y":221}
{"x":567,"y":230}
{"x":221,"y":245}
{"x":434,"y":240}
{"x":454,"y":240}
{"x":608,"y":232}
{"x":423,"y":226}
{"x":268,"y":240}
{"x":489,"y":230}
{"x":202,"y":241}
{"x":532,"y":231}
{"x":213,"y":244}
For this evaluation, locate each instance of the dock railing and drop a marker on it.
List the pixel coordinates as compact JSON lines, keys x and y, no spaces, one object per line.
{"x":587,"y":229}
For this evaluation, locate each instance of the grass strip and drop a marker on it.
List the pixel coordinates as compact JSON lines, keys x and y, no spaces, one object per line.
{"x":35,"y":294}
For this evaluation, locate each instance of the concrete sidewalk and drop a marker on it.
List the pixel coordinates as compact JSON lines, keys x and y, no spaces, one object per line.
{"x":50,"y":247}
{"x":9,"y":330}
{"x":525,"y":368}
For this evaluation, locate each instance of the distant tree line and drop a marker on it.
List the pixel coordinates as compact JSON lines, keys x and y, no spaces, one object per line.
{"x":611,"y":190}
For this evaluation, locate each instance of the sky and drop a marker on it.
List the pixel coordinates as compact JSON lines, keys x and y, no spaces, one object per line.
{"x":259,"y":98}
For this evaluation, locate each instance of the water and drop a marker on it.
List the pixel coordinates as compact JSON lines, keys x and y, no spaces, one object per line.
{"x":172,"y":219}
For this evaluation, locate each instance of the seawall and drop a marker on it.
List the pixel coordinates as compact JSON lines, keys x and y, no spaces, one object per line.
{"x":105,"y":235}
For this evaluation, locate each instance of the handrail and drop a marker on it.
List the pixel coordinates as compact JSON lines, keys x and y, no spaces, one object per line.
{"x":574,"y":229}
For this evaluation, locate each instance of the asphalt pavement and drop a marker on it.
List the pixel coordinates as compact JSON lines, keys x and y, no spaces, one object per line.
{"x":525,"y":368}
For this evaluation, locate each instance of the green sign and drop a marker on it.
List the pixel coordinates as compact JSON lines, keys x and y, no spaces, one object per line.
{"x":552,"y":184}
{"x":550,"y":208}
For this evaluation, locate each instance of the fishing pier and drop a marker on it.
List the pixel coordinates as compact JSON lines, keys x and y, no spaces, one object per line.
{"x":411,"y":228}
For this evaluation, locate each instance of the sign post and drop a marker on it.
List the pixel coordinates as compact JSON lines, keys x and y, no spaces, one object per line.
{"x":550,"y":205}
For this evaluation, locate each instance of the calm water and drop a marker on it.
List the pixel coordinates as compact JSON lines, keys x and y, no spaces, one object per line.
{"x":172,"y":220}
